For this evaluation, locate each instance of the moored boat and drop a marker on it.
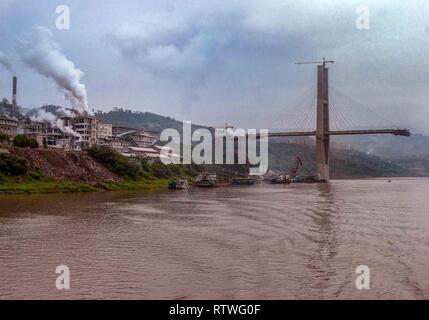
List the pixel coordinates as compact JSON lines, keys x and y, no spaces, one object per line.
{"x":210,"y":180}
{"x":280,"y":179}
{"x":298,"y":179}
{"x":179,"y":184}
{"x":206,"y":180}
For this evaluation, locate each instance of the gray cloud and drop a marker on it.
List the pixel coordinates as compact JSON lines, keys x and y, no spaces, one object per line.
{"x":5,"y":62}
{"x":217,"y":61}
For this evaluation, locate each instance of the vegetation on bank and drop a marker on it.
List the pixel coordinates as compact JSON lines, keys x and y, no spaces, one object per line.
{"x":23,"y":141}
{"x":138,"y":169}
{"x":139,"y":173}
{"x":16,"y":176}
{"x":28,"y":186}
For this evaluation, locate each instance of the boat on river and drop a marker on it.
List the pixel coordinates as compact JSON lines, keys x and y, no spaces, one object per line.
{"x":179,"y":184}
{"x":207,"y":180}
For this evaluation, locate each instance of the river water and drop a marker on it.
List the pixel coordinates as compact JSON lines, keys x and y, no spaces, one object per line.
{"x":258,"y":242}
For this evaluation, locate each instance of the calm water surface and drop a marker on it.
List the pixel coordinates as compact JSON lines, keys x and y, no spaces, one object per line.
{"x":257,"y":242}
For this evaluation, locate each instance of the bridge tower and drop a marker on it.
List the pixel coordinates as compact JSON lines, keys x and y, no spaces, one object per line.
{"x":322,"y":124}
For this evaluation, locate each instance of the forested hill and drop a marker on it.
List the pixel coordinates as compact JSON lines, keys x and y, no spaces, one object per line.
{"x":344,"y":163}
{"x":137,"y":119}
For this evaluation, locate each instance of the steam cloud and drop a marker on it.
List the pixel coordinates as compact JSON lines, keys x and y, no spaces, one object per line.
{"x":43,"y":116}
{"x":44,"y":55}
{"x":4,"y":61}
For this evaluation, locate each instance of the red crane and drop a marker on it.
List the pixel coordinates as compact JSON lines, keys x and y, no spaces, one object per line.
{"x":294,"y":171}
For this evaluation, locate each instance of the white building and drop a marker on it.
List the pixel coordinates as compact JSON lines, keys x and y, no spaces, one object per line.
{"x":104,"y":130}
{"x":8,"y":125}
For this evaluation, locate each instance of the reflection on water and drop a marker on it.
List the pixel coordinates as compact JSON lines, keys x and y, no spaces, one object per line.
{"x":267,"y":241}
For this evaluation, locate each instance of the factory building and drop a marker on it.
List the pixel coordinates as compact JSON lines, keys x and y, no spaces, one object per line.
{"x":136,"y":137}
{"x":49,"y":136}
{"x":8,"y":125}
{"x":85,"y":126}
{"x":79,"y":130}
{"x":104,"y":130}
{"x":76,"y":133}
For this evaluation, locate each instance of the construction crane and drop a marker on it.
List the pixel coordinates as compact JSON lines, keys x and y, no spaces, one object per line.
{"x":294,"y":171}
{"x":323,"y":62}
{"x":225,"y":127}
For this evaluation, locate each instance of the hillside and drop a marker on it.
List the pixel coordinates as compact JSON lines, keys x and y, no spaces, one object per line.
{"x":388,"y":146}
{"x":344,"y":163}
{"x":411,"y":153}
{"x":137,"y":119}
{"x":64,"y":165}
{"x":27,"y":170}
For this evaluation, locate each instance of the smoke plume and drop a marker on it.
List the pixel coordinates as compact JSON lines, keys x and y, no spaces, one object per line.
{"x":43,"y":116}
{"x":44,"y":55}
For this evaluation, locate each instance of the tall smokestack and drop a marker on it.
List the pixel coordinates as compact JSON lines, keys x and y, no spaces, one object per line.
{"x":14,"y":89}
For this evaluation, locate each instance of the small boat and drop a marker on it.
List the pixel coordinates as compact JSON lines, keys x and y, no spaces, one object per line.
{"x":179,"y":184}
{"x":297,"y":179}
{"x":314,"y":179}
{"x":280,"y":179}
{"x":310,"y":179}
{"x":210,"y":180}
{"x":206,"y":180}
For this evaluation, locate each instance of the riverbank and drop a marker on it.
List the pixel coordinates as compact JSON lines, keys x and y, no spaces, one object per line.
{"x":29,"y":186}
{"x":30,"y":171}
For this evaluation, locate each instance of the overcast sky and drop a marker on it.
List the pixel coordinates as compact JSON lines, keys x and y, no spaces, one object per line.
{"x":227,"y":61}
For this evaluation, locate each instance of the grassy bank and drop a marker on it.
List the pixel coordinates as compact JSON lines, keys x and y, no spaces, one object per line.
{"x":28,"y":186}
{"x":18,"y":177}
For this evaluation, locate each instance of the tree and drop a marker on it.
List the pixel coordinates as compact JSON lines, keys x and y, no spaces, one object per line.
{"x":115,"y":162}
{"x":12,"y":165}
{"x":4,"y":138}
{"x":22,"y":141}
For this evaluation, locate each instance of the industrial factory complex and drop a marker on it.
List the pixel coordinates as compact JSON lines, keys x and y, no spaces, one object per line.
{"x":79,"y":130}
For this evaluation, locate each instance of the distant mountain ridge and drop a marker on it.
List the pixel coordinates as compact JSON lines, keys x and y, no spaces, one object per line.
{"x":138,"y":119}
{"x":388,"y":146}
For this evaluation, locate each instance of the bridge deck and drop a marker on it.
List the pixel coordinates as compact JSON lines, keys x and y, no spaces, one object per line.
{"x":396,"y":132}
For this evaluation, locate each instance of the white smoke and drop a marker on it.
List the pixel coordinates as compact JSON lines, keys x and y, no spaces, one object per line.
{"x":5,"y":62}
{"x":43,"y":116}
{"x":60,"y":125}
{"x":44,"y":55}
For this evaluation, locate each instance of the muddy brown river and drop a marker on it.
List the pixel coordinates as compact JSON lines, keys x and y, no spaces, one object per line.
{"x":255,"y":242}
